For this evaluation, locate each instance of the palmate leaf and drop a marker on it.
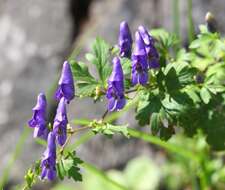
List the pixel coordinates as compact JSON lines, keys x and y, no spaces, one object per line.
{"x":99,"y":57}
{"x":69,"y":166}
{"x":178,"y":74}
{"x":81,"y":73}
{"x":147,"y":106}
{"x":164,"y":38}
{"x":86,"y":89}
{"x":85,"y":82}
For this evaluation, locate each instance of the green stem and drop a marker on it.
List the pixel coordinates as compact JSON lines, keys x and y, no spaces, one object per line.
{"x":176,"y":20}
{"x":103,"y":175}
{"x":166,"y":145}
{"x":191,"y":32}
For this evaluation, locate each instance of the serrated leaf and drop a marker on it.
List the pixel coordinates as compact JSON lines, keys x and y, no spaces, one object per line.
{"x":74,"y":172}
{"x":205,"y":95}
{"x":146,"y":107}
{"x":86,"y":83}
{"x":165,"y":38}
{"x":99,"y":57}
{"x":110,"y":129}
{"x":81,"y":73}
{"x":67,"y":163}
{"x":68,"y":166}
{"x":86,"y":89}
{"x":177,"y":103}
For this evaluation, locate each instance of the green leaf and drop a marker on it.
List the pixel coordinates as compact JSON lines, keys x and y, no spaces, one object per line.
{"x":74,"y":172}
{"x":81,"y":73}
{"x":61,"y":172}
{"x":126,"y":65}
{"x":177,"y":103}
{"x":86,"y":89}
{"x":164,"y":38}
{"x":69,"y":166}
{"x":146,"y":107}
{"x":154,"y":123}
{"x":205,"y":95}
{"x":85,"y":82}
{"x":99,"y":57}
{"x":110,"y":129}
{"x":30,"y":178}
{"x":216,"y":88}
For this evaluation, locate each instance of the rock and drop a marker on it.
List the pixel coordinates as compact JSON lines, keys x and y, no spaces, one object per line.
{"x":35,"y":36}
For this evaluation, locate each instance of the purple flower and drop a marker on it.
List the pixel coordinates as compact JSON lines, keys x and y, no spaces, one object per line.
{"x":38,"y":120}
{"x":66,"y":84}
{"x":139,"y":62}
{"x":153,"y":56}
{"x":115,"y":91}
{"x":48,"y":163}
{"x":125,"y":40}
{"x":60,"y":122}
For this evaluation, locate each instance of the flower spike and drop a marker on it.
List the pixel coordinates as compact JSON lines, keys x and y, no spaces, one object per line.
{"x":48,"y":163}
{"x":66,"y":84}
{"x":152,"y":53}
{"x":60,"y":122}
{"x":139,"y":62}
{"x":125,"y":40}
{"x":115,"y":91}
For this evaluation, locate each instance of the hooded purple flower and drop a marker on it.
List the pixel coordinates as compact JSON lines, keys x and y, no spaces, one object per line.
{"x":38,"y":120}
{"x":66,"y":84}
{"x":115,"y":91}
{"x":125,"y":40}
{"x":153,"y":56}
{"x":60,"y":122}
{"x":139,"y":62}
{"x":48,"y":163}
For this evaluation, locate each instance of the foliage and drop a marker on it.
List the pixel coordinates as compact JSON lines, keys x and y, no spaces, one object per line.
{"x":69,"y":166}
{"x":185,"y":95}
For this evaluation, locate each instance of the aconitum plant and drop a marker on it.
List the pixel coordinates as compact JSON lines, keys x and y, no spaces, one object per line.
{"x":152,"y":53}
{"x":38,"y":120}
{"x":115,"y":91}
{"x":66,"y":84}
{"x":48,"y":163}
{"x":60,"y":122}
{"x":169,"y":89}
{"x":139,"y":62}
{"x":125,"y":40}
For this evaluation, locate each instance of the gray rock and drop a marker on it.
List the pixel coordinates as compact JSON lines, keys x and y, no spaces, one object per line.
{"x":35,"y":36}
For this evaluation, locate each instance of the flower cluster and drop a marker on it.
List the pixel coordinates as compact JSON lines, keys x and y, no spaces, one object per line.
{"x":143,"y":57}
{"x":64,"y":94}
